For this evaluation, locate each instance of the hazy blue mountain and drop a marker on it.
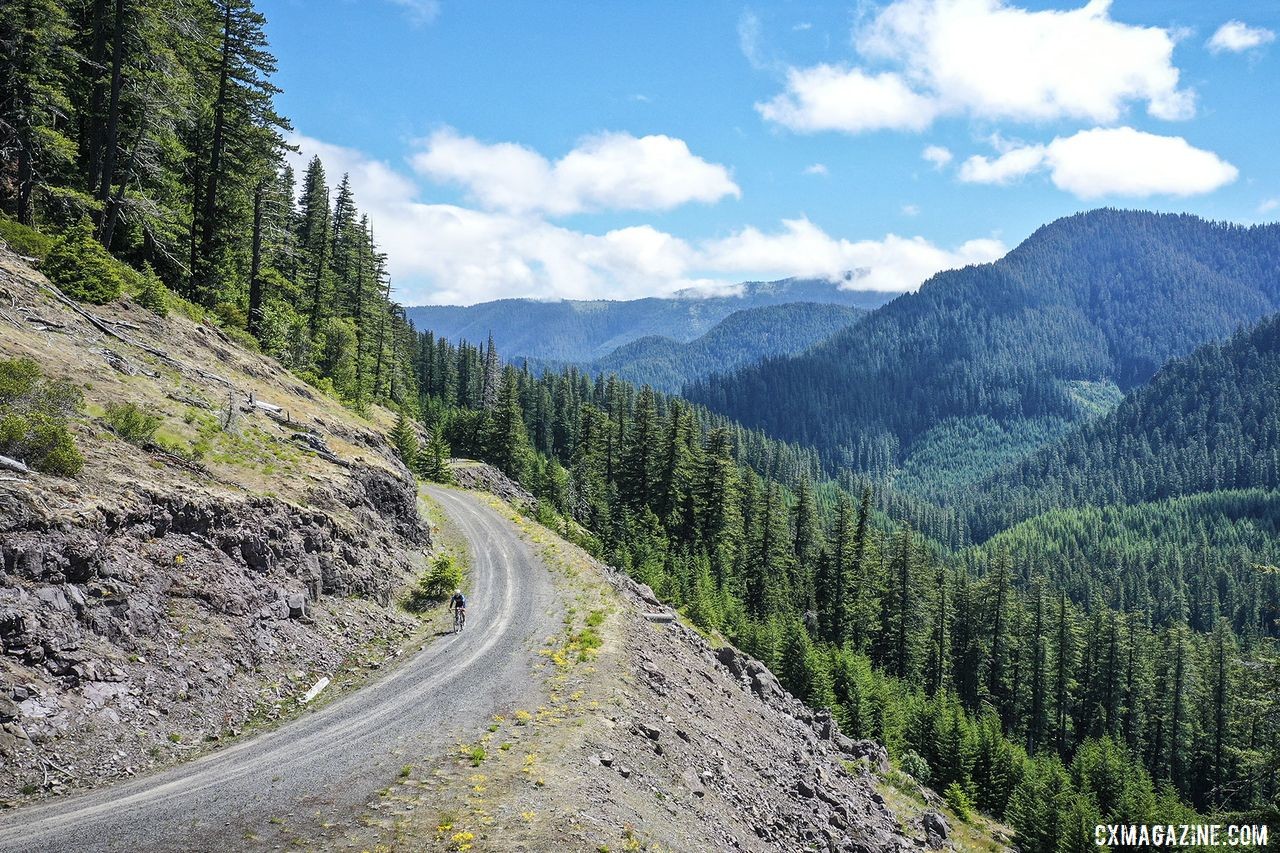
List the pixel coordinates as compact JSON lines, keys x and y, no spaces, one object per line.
{"x":586,"y":330}
{"x":741,"y":338}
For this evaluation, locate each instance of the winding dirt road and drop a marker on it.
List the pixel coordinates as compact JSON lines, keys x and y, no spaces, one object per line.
{"x":325,"y":765}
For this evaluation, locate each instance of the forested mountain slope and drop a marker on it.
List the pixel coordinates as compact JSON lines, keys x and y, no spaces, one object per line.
{"x":1207,"y":422}
{"x":741,"y":338}
{"x":1036,"y":340}
{"x":1053,"y":697}
{"x":1188,"y":559}
{"x":582,"y":331}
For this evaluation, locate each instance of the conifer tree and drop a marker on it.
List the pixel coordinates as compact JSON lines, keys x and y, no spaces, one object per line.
{"x":405,"y":441}
{"x":33,"y":78}
{"x":434,"y":459}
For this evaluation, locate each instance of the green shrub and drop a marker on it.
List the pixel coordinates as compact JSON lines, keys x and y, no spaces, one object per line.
{"x":231,"y":316}
{"x":152,"y":294}
{"x":436,"y":584}
{"x":84,"y":270}
{"x":33,"y":419}
{"x":914,"y":764}
{"x":959,"y":802}
{"x":24,"y":240}
{"x":131,"y":422}
{"x":243,"y":338}
{"x":53,"y":447}
{"x":18,"y":378}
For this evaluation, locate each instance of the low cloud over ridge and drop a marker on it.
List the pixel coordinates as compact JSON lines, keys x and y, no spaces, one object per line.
{"x":445,"y":253}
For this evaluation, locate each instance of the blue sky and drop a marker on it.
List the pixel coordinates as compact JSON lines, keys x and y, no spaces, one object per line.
{"x":624,"y":149}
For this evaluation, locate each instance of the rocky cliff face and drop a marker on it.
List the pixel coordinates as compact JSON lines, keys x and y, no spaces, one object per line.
{"x":168,"y":597}
{"x":139,"y":624}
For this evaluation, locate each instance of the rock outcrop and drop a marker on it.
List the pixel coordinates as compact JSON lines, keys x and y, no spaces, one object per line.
{"x":178,"y":588}
{"x":160,"y":618}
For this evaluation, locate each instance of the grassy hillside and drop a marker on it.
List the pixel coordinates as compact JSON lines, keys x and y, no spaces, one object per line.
{"x":225,"y":535}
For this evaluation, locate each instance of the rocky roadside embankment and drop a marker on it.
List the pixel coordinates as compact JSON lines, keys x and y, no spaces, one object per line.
{"x":181,"y":589}
{"x":135,"y":628}
{"x":709,"y":751}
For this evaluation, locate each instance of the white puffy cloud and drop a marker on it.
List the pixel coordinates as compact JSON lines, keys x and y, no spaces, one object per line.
{"x":802,"y":248}
{"x":817,"y":169}
{"x":987,"y":59}
{"x":1267,"y":205}
{"x":1008,"y":167}
{"x":607,"y":171}
{"x":443,"y":253}
{"x":1109,"y":161}
{"x":831,"y":97}
{"x":937,"y":155}
{"x":1237,"y":37}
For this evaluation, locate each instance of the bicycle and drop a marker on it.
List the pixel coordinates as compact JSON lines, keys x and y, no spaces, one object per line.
{"x":459,"y":619}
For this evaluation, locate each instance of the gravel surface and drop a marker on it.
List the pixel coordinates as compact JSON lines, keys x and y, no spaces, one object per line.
{"x":326,"y":765}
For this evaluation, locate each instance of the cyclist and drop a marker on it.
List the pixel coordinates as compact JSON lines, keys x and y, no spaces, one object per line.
{"x":458,"y":604}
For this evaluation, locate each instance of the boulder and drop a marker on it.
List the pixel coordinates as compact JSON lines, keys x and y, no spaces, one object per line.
{"x":256,"y":552}
{"x":764,"y":685}
{"x":935,"y":827}
{"x":646,"y":592}
{"x":693,"y":782}
{"x":875,"y":754}
{"x":733,"y":660}
{"x":53,"y":596}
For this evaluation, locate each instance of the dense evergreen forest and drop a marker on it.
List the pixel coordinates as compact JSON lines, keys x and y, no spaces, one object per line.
{"x":1033,"y":678}
{"x":1207,"y":422}
{"x":1189,"y":559}
{"x":149,"y":128}
{"x":744,"y":337}
{"x":987,"y":363}
{"x":1113,"y":664}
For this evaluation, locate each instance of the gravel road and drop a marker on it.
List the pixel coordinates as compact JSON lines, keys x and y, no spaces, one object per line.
{"x":322,"y":766}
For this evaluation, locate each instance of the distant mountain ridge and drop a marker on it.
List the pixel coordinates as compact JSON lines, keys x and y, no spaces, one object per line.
{"x":743,"y":337}
{"x":1087,"y":306}
{"x":585,"y":330}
